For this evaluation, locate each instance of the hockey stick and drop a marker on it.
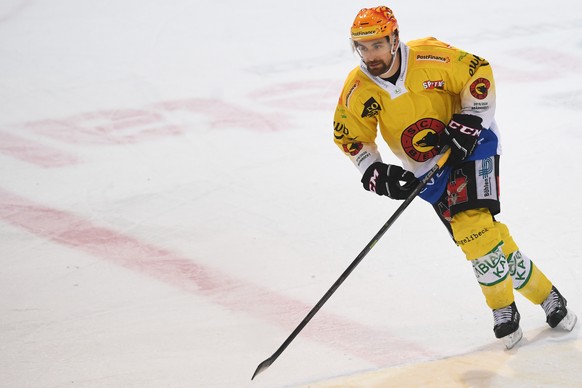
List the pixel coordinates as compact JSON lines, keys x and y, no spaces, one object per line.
{"x":429,"y":175}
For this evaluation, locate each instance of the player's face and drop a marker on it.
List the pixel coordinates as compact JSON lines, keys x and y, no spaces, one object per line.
{"x":376,"y":55}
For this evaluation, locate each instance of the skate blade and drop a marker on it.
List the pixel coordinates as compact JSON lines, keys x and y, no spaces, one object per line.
{"x":568,"y":322}
{"x":512,"y":339}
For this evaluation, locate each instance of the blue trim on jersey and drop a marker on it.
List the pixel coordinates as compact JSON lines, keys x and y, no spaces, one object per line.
{"x":486,"y":147}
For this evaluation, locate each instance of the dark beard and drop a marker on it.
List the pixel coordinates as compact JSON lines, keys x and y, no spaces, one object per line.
{"x":379,"y":70}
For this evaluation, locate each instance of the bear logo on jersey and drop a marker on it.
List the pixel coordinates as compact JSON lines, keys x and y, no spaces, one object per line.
{"x":352,"y":148}
{"x":420,"y":139}
{"x":480,"y":88}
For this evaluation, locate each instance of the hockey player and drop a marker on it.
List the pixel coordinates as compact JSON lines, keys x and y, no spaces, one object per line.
{"x":422,"y":95}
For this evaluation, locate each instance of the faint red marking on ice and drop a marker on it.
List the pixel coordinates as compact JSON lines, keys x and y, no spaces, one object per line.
{"x":132,"y":126}
{"x":117,"y":126}
{"x":538,"y":64}
{"x":367,"y":343}
{"x":13,"y":11}
{"x":167,"y":119}
{"x":221,"y":114}
{"x":315,"y":95}
{"x":34,"y":152}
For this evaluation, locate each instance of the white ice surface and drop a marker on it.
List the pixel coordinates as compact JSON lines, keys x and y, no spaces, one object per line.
{"x":172,"y":204}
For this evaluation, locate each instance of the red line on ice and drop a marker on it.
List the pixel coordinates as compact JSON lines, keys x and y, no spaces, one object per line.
{"x":368,"y":343}
{"x":33,"y":152}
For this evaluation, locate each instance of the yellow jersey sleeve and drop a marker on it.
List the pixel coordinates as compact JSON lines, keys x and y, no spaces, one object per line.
{"x":355,"y":121}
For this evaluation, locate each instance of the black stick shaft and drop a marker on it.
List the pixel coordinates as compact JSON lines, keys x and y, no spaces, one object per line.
{"x":265,"y":364}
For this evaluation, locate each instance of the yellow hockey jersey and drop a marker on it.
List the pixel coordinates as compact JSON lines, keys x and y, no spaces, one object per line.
{"x":436,"y":80}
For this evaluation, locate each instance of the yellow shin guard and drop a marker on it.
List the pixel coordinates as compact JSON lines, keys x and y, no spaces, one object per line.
{"x":499,"y":295}
{"x":487,"y":243}
{"x":527,"y":278}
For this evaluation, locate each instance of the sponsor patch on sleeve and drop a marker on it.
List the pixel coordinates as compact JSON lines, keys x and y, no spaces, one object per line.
{"x":432,"y":58}
{"x":371,"y":108}
{"x":480,"y":88}
{"x":352,"y":148}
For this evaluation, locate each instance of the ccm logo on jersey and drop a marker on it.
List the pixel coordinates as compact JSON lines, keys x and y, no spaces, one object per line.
{"x":464,"y":129}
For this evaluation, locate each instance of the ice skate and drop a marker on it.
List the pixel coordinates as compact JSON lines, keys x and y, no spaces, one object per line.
{"x":506,"y":325}
{"x":557,"y":315}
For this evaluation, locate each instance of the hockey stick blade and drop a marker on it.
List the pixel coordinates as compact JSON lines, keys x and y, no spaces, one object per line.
{"x":428,"y":176}
{"x":263,"y":366}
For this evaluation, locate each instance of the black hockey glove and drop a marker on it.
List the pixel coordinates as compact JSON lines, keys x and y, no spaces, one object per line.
{"x":462,"y":134}
{"x":385,"y":179}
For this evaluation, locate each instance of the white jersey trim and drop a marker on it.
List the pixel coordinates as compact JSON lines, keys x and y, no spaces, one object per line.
{"x":393,"y":90}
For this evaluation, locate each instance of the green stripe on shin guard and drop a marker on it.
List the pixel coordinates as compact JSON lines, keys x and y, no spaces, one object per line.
{"x":527,"y":278}
{"x":492,"y":272}
{"x":520,"y":269}
{"x":491,"y":268}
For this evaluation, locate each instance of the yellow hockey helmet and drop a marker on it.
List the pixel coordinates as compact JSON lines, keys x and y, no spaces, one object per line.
{"x":373,"y":23}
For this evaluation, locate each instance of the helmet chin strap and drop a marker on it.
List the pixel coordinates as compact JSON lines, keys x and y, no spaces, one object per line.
{"x":393,"y":51}
{"x":394,"y":46}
